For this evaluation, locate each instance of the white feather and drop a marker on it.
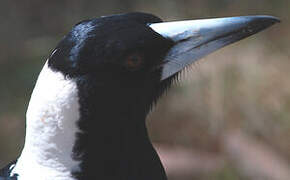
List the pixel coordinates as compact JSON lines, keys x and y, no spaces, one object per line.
{"x":50,"y":129}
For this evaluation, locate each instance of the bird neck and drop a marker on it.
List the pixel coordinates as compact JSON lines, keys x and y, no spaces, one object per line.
{"x":74,"y":132}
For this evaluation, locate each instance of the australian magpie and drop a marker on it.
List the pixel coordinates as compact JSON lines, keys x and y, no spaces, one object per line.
{"x":86,"y":116}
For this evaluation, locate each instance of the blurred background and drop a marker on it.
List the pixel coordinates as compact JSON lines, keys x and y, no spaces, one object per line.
{"x":228,"y":119}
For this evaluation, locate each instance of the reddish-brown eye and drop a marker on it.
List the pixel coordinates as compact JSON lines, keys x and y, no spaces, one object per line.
{"x":134,"y":61}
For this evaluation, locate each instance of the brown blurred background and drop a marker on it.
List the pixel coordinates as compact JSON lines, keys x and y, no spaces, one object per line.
{"x":229,"y":119}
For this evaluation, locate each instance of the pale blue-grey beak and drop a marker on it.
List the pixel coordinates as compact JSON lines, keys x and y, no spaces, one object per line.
{"x":195,"y":39}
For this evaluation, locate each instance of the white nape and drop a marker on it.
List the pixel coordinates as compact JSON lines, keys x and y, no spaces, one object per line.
{"x":51,"y":129}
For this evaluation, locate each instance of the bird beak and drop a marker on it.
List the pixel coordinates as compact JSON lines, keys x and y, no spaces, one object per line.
{"x":195,"y":39}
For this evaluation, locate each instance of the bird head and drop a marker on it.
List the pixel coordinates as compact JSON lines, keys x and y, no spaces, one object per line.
{"x":140,"y":54}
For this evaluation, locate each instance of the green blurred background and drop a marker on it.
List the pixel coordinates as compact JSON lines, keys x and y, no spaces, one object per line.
{"x":228,"y":119}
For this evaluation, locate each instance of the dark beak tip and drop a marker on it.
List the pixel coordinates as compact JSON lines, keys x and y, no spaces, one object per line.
{"x":268,"y":19}
{"x":275,"y":19}
{"x":261,"y":22}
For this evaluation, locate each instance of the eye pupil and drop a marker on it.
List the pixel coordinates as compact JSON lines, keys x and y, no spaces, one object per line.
{"x":134,"y":61}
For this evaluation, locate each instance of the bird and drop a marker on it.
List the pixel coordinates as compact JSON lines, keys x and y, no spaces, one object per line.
{"x":86,"y":116}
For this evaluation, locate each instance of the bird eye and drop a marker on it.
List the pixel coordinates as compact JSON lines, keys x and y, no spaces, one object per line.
{"x":134,"y":61}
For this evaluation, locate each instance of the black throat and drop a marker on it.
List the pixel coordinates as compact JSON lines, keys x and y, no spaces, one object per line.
{"x":113,"y":142}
